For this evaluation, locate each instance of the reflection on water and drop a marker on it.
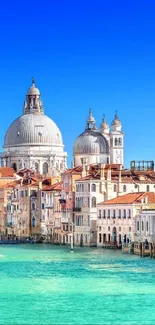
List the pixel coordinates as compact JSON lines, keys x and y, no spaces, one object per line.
{"x":42,"y":284}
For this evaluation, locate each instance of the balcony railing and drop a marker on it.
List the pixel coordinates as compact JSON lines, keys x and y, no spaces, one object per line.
{"x":62,"y":201}
{"x":76,"y":209}
{"x":10,"y":224}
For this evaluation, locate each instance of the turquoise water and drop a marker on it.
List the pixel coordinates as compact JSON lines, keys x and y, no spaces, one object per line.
{"x":42,"y":284}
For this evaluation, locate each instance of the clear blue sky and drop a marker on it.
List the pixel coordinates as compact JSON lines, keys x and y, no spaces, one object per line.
{"x":98,"y":54}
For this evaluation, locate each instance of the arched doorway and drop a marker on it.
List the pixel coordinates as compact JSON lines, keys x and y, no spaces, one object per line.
{"x":36,"y":167}
{"x":45,"y":168}
{"x":14,"y":166}
{"x":114,"y":235}
{"x":81,"y":240}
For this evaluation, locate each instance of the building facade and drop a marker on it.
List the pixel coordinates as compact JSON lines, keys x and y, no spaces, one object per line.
{"x":99,"y":146}
{"x":116,"y":217}
{"x":145,"y":225}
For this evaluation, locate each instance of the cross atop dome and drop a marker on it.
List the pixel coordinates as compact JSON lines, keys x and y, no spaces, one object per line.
{"x":33,"y":81}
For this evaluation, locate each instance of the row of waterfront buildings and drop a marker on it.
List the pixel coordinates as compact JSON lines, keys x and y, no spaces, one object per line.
{"x":97,"y":204}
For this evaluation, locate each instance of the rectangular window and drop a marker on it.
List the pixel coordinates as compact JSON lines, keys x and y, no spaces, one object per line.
{"x":129,"y":213}
{"x":124,"y":213}
{"x":138,"y":225}
{"x":22,"y":194}
{"x":108,"y":228}
{"x":119,"y":214}
{"x":147,"y":226}
{"x":100,"y":238}
{"x":43,"y":206}
{"x":114,"y":214}
{"x":104,"y":214}
{"x":42,"y":194}
{"x":108,"y":213}
{"x":142,"y":225}
{"x":129,"y":228}
{"x":99,"y":214}
{"x":26,"y":193}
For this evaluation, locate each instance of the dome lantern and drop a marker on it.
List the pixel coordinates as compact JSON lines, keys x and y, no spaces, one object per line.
{"x":91,"y":123}
{"x":104,"y":127}
{"x":116,"y":123}
{"x":33,"y":102}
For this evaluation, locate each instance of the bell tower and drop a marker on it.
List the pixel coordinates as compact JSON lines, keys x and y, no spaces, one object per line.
{"x":116,"y":142}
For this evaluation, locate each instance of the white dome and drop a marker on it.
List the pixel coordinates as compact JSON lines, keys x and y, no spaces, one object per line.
{"x":33,"y":91}
{"x":33,"y":129}
{"x":91,"y":142}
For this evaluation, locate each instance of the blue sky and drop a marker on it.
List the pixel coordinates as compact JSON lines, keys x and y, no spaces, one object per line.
{"x":98,"y":54}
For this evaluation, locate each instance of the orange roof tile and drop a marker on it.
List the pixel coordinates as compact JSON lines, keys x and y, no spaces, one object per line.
{"x":7,"y":172}
{"x":57,"y":186}
{"x":131,"y":198}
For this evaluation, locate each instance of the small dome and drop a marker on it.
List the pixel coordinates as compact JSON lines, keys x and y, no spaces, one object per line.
{"x":33,"y":90}
{"x":91,"y":142}
{"x":33,"y":129}
{"x":104,"y":125}
{"x":116,"y":121}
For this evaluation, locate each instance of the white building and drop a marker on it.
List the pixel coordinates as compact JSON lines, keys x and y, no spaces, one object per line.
{"x":104,"y":146}
{"x":100,"y":183}
{"x":33,"y":140}
{"x":145,"y":225}
{"x":116,"y":217}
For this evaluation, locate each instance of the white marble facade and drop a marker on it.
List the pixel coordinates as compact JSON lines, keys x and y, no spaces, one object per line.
{"x":33,"y":140}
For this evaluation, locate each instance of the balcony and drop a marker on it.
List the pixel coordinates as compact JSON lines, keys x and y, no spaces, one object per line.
{"x":62,"y":201}
{"x":76,"y":209}
{"x":10,"y":224}
{"x":50,"y":206}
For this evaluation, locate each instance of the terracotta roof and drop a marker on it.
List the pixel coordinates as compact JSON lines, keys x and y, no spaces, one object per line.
{"x":55,"y":187}
{"x":88,"y":177}
{"x":131,"y":198}
{"x":7,"y":172}
{"x":10,"y":185}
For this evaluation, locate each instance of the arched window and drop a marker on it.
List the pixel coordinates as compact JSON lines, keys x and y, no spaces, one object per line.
{"x":93,"y":202}
{"x":45,"y":168}
{"x":124,"y":188}
{"x":120,"y":141}
{"x":116,"y":142}
{"x":93,"y":188}
{"x":36,"y":167}
{"x":33,"y":206}
{"x":115,"y":187}
{"x":147,"y":188}
{"x":14,"y":166}
{"x":33,"y":222}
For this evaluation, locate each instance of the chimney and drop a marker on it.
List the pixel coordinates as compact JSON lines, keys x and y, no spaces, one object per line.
{"x":102,"y":176}
{"x":84,"y":167}
{"x":146,"y":199}
{"x":40,"y":185}
{"x":109,"y":174}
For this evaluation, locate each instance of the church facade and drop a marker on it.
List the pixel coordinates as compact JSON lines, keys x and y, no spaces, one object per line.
{"x":33,"y":140}
{"x":104,"y":145}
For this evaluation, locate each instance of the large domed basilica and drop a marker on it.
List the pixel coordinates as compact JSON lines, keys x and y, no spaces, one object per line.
{"x":99,"y":146}
{"x":33,"y":140}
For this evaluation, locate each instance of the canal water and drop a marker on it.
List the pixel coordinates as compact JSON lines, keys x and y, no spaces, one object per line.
{"x":41,"y":284}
